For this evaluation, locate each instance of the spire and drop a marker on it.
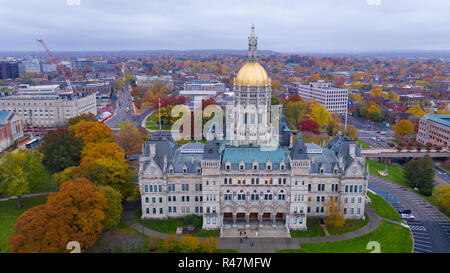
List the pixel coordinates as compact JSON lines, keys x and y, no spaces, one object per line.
{"x":252,"y":45}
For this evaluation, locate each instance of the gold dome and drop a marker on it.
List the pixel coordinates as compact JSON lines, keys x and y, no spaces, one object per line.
{"x":252,"y":74}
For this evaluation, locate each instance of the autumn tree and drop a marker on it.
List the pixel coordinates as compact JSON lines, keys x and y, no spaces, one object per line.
{"x":129,"y":138}
{"x":375,"y":91}
{"x":92,"y":132}
{"x":309,"y":126}
{"x":416,"y":110}
{"x":169,"y":244}
{"x":335,"y":213}
{"x":75,"y":213}
{"x":443,"y":198}
{"x":209,"y":245}
{"x":295,"y":111}
{"x":61,"y":149}
{"x":82,"y":117}
{"x":114,"y":208}
{"x":21,"y":173}
{"x":320,"y":114}
{"x":188,"y":244}
{"x":95,"y":151}
{"x":404,"y":127}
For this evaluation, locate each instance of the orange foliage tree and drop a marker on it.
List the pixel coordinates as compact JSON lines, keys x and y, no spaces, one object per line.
{"x":92,"y":132}
{"x":75,"y":213}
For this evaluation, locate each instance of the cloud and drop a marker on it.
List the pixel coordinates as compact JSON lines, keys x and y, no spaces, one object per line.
{"x":283,"y":25}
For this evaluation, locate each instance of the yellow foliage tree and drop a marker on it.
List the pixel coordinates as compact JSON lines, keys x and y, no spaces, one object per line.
{"x":443,"y":198}
{"x":416,"y":110}
{"x":92,"y":132}
{"x":404,"y":127}
{"x":335,"y":213}
{"x":375,"y":91}
{"x":188,"y":244}
{"x":209,"y":245}
{"x":320,"y":114}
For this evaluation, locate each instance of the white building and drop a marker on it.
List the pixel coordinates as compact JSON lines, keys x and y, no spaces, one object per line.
{"x":45,"y":106}
{"x":333,"y":98}
{"x":434,"y":129}
{"x":32,"y":65}
{"x":148,"y":81}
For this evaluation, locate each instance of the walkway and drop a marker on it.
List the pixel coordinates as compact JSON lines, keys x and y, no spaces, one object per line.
{"x":268,"y":245}
{"x":25,"y":196}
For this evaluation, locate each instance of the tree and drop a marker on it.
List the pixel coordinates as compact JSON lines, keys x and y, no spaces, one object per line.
{"x":82,"y":117}
{"x":21,"y":173}
{"x":320,"y":114}
{"x":295,"y":111}
{"x":335,"y":213}
{"x":420,"y":174}
{"x":274,"y":100}
{"x":443,"y":198}
{"x":95,"y":151}
{"x":404,"y":127}
{"x":188,"y":244}
{"x":416,"y":110}
{"x":75,"y":213}
{"x":92,"y":132}
{"x":61,"y":150}
{"x":129,"y":138}
{"x":375,"y":91}
{"x":426,"y":183}
{"x":309,"y":126}
{"x":209,"y":245}
{"x":114,"y":209}
{"x":410,"y":173}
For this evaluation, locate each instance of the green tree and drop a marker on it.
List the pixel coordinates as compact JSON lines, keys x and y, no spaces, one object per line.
{"x":21,"y":173}
{"x":295,"y":111}
{"x":410,"y":172}
{"x":61,"y":150}
{"x":114,"y":210}
{"x":420,"y":174}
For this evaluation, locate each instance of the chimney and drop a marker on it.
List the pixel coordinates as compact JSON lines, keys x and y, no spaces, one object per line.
{"x":351,"y":150}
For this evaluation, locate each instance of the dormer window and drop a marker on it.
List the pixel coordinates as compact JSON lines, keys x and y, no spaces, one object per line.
{"x":335,"y":171}
{"x":241,"y":165}
{"x":228,"y":167}
{"x":282,"y":167}
{"x":185,"y":170}
{"x":321,"y":170}
{"x":171,"y":170}
{"x":268,"y":167}
{"x":199,"y":170}
{"x":255,"y":167}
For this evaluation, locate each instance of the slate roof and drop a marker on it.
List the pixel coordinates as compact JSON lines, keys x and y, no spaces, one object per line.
{"x":441,"y":119}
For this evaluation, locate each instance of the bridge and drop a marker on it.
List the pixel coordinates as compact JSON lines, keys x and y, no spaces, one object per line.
{"x":385,"y":153}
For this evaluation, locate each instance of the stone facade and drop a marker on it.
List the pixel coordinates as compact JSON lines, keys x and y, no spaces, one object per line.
{"x":434,"y":129}
{"x":249,"y":180}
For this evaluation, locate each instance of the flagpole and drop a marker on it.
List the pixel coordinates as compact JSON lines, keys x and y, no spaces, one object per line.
{"x":346,"y":114}
{"x":159,"y":111}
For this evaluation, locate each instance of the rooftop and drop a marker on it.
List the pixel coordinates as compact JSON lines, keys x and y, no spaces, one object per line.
{"x":441,"y":119}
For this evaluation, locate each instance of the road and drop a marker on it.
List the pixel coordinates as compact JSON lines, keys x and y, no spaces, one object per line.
{"x":430,"y":226}
{"x":442,"y":174}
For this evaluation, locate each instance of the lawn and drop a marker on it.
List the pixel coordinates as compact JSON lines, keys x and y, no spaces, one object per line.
{"x":363,"y":144}
{"x":152,"y":123}
{"x":392,"y":238}
{"x":313,"y":229}
{"x":382,"y":208}
{"x":349,"y":226}
{"x":395,"y":174}
{"x":123,"y":239}
{"x":170,"y":226}
{"x":9,"y":214}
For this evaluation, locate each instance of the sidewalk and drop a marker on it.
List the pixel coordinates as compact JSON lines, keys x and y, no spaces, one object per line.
{"x":269,"y":245}
{"x":25,"y":196}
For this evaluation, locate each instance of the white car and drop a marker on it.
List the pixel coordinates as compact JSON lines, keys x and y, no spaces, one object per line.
{"x":406,"y":216}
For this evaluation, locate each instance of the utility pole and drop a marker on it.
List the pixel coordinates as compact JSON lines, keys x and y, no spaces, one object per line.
{"x":159,"y":111}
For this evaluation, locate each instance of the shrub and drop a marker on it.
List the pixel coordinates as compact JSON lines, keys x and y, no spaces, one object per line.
{"x":194,"y":220}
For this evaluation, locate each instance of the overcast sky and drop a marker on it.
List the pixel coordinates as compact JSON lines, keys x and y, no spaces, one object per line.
{"x":281,"y":25}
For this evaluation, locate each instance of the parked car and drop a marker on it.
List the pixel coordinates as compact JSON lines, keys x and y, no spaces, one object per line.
{"x":406,"y":216}
{"x":404,"y":211}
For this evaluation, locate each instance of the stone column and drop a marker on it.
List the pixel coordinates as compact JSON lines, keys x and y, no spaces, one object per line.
{"x":261,"y":219}
{"x":274,"y":219}
{"x":247,"y":219}
{"x":234,"y":219}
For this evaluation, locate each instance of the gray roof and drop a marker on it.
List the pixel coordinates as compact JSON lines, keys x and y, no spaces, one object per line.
{"x":299,"y":151}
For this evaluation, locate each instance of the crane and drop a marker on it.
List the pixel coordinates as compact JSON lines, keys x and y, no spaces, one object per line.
{"x":55,"y":61}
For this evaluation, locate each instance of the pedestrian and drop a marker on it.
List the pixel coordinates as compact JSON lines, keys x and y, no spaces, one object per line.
{"x":240,"y":233}
{"x":241,"y":240}
{"x":252,"y":243}
{"x":246,"y":237}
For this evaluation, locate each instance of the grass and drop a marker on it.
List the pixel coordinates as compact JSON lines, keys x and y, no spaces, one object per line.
{"x":9,"y":214}
{"x":392,"y":238}
{"x":152,"y":123}
{"x":395,"y":174}
{"x":382,"y":208}
{"x":170,"y":225}
{"x":363,"y":144}
{"x":349,"y":226}
{"x":313,"y":229}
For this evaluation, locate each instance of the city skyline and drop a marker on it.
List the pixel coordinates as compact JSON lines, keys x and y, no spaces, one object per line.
{"x":288,"y":27}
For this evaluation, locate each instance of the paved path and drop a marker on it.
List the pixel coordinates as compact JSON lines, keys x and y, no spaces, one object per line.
{"x":25,"y":196}
{"x":430,"y":226}
{"x":268,"y":245}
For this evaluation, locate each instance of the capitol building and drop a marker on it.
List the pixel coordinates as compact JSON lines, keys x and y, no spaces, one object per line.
{"x":255,"y":180}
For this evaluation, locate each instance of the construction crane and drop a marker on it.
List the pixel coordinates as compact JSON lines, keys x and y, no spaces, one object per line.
{"x":55,"y":61}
